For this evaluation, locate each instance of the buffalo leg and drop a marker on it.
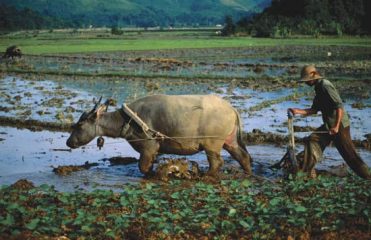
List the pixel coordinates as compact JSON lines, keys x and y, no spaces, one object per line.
{"x":147,"y":158}
{"x":215,"y":162}
{"x":241,"y":156}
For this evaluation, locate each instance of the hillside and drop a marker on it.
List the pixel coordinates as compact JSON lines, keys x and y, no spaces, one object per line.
{"x":145,"y":13}
{"x":309,"y":17}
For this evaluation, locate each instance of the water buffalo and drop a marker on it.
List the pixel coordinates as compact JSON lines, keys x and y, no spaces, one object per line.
{"x":12,"y":52}
{"x":191,"y":123}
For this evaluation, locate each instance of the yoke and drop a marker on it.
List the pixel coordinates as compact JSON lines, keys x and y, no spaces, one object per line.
{"x":146,"y":129}
{"x":134,"y":116}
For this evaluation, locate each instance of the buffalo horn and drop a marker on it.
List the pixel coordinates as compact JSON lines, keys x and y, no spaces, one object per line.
{"x":97,"y":105}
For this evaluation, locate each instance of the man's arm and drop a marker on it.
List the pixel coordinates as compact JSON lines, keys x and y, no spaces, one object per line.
{"x":304,"y":112}
{"x":339,"y":115}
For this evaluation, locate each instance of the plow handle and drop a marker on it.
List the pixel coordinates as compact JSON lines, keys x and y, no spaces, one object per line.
{"x":290,"y":115}
{"x":291,"y":146}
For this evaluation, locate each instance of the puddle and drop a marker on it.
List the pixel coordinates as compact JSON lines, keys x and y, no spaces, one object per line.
{"x":31,"y":155}
{"x":41,"y":100}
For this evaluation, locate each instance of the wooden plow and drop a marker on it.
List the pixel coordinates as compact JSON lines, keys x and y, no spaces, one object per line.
{"x":288,"y":161}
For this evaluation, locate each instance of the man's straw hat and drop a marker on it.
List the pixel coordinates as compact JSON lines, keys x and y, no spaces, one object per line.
{"x":309,"y":73}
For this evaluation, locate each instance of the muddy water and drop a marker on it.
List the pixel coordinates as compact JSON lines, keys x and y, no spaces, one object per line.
{"x":32,"y":155}
{"x":64,"y":101}
{"x":262,"y":101}
{"x":223,"y":62}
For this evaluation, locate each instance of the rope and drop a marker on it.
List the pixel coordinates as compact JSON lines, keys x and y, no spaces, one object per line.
{"x":318,"y":132}
{"x":154,"y":138}
{"x":157,"y":138}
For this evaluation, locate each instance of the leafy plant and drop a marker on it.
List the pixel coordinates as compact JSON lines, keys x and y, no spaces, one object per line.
{"x":229,"y":209}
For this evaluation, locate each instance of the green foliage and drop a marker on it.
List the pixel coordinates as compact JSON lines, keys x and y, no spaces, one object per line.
{"x":144,"y":13}
{"x":116,"y":31}
{"x":12,"y":19}
{"x":152,"y":41}
{"x":229,"y":27}
{"x":311,"y":17}
{"x":232,"y":208}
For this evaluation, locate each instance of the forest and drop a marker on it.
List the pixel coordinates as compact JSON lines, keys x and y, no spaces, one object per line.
{"x":40,"y":14}
{"x":12,"y":19}
{"x":285,"y":18}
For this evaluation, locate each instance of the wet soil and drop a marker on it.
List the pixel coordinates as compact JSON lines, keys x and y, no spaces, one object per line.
{"x":67,"y":170}
{"x":50,"y":92}
{"x":177,"y":169}
{"x":23,"y":184}
{"x":275,"y":64}
{"x":117,"y":162}
{"x":121,"y":160}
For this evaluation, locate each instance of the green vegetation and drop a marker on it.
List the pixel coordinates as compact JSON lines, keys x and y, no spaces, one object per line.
{"x":121,"y":13}
{"x":13,"y":19}
{"x":310,"y":17}
{"x":116,"y":31}
{"x":229,"y":27}
{"x":181,"y":209}
{"x":46,"y":44}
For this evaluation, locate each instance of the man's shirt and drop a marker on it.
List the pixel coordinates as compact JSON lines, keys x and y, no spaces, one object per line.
{"x":327,"y":100}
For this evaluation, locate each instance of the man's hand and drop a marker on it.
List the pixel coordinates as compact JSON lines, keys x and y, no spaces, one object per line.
{"x":304,"y":112}
{"x":293,"y":110}
{"x":334,"y":130}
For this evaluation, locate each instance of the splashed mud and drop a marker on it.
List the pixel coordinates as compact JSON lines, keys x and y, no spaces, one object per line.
{"x":67,"y":170}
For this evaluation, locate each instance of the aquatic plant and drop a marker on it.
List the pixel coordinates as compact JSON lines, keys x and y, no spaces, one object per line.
{"x":229,"y":209}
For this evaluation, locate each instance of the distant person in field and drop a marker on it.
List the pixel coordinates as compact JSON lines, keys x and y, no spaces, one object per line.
{"x":12,"y":52}
{"x":336,"y":127}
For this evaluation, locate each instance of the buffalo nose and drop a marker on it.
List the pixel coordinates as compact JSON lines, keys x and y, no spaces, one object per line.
{"x":70,"y":144}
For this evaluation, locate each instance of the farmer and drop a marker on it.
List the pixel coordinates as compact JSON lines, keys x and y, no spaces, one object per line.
{"x":336,"y":126}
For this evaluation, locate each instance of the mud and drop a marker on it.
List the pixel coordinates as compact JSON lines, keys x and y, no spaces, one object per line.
{"x":34,"y":125}
{"x":276,"y":64}
{"x":23,"y":184}
{"x":177,"y":169}
{"x":22,"y":160}
{"x":121,"y":160}
{"x":50,"y":92}
{"x":67,"y":170}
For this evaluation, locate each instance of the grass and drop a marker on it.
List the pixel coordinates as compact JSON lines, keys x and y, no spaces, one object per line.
{"x":315,"y":208}
{"x":67,"y":43}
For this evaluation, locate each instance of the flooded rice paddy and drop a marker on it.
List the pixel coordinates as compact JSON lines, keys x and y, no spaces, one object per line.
{"x":260,"y":86}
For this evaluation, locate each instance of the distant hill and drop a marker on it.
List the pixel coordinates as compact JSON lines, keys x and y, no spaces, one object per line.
{"x":12,"y":18}
{"x":143,"y":13}
{"x":311,"y":17}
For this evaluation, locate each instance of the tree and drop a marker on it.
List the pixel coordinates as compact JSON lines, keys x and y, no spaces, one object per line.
{"x":116,"y":31}
{"x":229,"y":27}
{"x":311,"y":17}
